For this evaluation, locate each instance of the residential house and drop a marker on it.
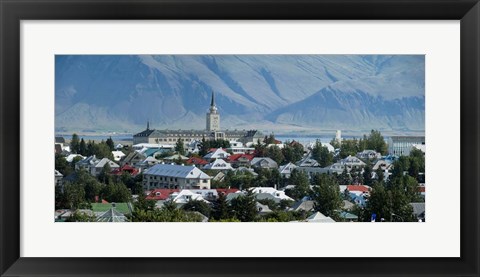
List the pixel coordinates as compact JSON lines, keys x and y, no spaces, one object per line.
{"x":237,"y":147}
{"x":219,"y":164}
{"x":71,"y":157}
{"x":148,"y":162}
{"x":352,"y":162}
{"x":97,"y":168}
{"x":133,"y":158}
{"x":198,"y":162}
{"x":160,"y":194}
{"x":286,"y":170}
{"x":369,"y":155}
{"x":118,"y":155}
{"x":318,"y":217}
{"x":263,"y":162}
{"x":308,"y":162}
{"x":238,"y":160}
{"x":58,"y":178}
{"x":419,"y":210}
{"x":303,"y":205}
{"x":175,"y":158}
{"x":175,"y":176}
{"x":270,"y":193}
{"x":245,"y":170}
{"x":184,"y":196}
{"x":216,"y":153}
{"x":132,"y":171}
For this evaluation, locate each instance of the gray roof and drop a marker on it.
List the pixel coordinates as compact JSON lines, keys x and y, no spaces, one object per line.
{"x":288,"y":168}
{"x":104,"y":161}
{"x":112,"y":215}
{"x":319,"y":217}
{"x":418,"y":208}
{"x":300,"y":205}
{"x":59,"y":140}
{"x":257,"y":161}
{"x":180,"y":171}
{"x":308,"y":162}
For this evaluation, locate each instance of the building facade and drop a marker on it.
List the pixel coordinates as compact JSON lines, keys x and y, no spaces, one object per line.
{"x":211,"y":132}
{"x":172,"y":176}
{"x":402,"y":145}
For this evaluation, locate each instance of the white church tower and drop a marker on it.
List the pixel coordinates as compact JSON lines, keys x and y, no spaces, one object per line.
{"x":213,"y":118}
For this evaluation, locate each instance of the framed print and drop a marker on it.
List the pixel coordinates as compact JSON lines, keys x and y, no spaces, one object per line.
{"x":240,"y":138}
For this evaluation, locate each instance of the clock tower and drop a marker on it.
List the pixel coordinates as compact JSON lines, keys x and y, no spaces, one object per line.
{"x":213,"y":118}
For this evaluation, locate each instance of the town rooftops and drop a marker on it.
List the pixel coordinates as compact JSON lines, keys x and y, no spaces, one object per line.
{"x":180,"y":171}
{"x":196,"y":161}
{"x":160,"y":194}
{"x":360,"y":188}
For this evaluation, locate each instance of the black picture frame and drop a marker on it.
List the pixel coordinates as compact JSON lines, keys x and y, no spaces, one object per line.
{"x":13,"y":11}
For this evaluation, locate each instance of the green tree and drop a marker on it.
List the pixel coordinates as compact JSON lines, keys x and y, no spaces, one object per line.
{"x":104,"y":175}
{"x":198,"y":206}
{"x":62,"y":165}
{"x":102,"y":150}
{"x":221,"y":208}
{"x":274,"y":153}
{"x":74,"y":195}
{"x":74,"y":143}
{"x":292,"y":153}
{"x":322,"y":155}
{"x":380,"y":174}
{"x":179,"y":147}
{"x":267,"y":177}
{"x":326,"y":195}
{"x":269,"y":140}
{"x":344,"y":179}
{"x":367,"y":174}
{"x":82,"y":148}
{"x":376,"y":142}
{"x":299,"y":179}
{"x":110,"y":144}
{"x":79,"y":216}
{"x":244,"y":207}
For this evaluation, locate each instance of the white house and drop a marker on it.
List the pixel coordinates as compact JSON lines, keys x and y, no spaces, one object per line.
{"x":270,"y":193}
{"x":94,"y":165}
{"x":218,"y":153}
{"x":219,"y":164}
{"x":263,"y":162}
{"x":286,"y":170}
{"x":118,"y":155}
{"x":175,"y":176}
{"x":70,"y":157}
{"x":186,"y":195}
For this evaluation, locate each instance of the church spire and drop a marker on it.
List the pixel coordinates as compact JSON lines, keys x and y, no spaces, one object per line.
{"x":148,"y":125}
{"x":213,"y":99}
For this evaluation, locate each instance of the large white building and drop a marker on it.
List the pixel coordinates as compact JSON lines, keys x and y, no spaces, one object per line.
{"x":402,"y":145}
{"x":173,"y":176}
{"x":211,"y":132}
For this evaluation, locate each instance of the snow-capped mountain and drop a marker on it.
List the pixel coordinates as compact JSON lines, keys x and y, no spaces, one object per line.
{"x":274,"y":92}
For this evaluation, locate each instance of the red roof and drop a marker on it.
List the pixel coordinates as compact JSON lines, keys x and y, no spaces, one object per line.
{"x":235,"y":157}
{"x":103,"y":200}
{"x":421,"y":189}
{"x":160,"y":194}
{"x":358,"y":188}
{"x":196,"y":161}
{"x":226,"y":191}
{"x":126,"y":168}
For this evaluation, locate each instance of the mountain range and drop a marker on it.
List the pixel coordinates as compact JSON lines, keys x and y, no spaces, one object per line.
{"x":279,"y":93}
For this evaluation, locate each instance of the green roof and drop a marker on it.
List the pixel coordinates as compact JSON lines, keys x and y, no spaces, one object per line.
{"x":100,"y":207}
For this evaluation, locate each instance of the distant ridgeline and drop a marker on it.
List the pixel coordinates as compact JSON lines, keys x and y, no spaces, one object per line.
{"x":211,"y":132}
